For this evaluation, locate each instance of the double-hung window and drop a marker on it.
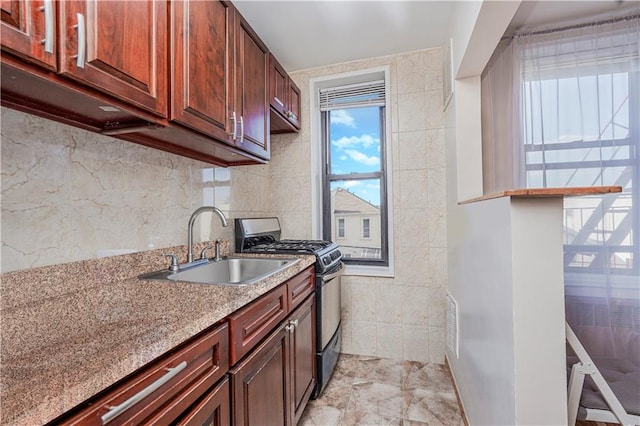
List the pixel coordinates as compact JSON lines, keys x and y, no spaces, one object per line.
{"x":354,"y":187}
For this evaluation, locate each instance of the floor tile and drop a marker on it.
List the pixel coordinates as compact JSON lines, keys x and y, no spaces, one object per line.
{"x":369,"y":391}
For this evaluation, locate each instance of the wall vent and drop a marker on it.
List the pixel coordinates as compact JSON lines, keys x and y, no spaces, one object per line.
{"x":452,"y":325}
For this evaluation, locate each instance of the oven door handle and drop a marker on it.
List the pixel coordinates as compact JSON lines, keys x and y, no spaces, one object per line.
{"x":329,"y":277}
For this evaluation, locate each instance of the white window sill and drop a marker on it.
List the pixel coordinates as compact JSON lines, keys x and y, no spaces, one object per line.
{"x":370,"y":271}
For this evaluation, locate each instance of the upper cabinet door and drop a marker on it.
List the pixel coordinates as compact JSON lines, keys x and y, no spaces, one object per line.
{"x":293,"y":115}
{"x":201,"y":64}
{"x":278,"y":86}
{"x":251,"y":90}
{"x":28,"y":30}
{"x":118,"y":47}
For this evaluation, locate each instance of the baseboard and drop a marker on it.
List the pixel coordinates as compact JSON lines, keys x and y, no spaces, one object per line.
{"x":455,"y":388}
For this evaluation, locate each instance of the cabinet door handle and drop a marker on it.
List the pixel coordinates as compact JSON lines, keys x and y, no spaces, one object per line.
{"x":119,"y":409}
{"x":294,"y":323}
{"x":234,"y":134}
{"x":289,"y":327}
{"x":241,"y":129}
{"x":278,"y":101}
{"x":82,"y":40}
{"x":47,"y":8}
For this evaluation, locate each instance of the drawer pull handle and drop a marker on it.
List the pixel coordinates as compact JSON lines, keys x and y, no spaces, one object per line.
{"x":234,"y":134}
{"x":82,"y":40}
{"x":119,"y":409}
{"x":48,"y":26}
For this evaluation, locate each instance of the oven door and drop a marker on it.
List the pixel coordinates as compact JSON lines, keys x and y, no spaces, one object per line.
{"x":330,"y":305}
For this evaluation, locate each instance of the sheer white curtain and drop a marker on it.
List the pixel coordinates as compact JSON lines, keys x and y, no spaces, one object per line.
{"x":571,"y":97}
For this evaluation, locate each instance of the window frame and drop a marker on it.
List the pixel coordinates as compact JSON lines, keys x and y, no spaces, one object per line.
{"x":328,"y":178}
{"x":317,"y":157}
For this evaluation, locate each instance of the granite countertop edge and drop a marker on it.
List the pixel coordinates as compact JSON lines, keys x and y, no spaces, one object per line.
{"x":60,"y":348}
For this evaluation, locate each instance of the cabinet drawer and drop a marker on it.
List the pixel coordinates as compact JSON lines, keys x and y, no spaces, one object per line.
{"x":253,"y":322}
{"x":213,"y":409}
{"x":300,"y":286}
{"x":160,"y":391}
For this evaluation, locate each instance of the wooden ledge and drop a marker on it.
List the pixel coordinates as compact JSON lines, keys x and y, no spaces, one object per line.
{"x":547,"y":192}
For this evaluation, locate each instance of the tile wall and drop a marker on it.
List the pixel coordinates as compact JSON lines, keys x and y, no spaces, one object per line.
{"x":70,"y":195}
{"x":401,"y":317}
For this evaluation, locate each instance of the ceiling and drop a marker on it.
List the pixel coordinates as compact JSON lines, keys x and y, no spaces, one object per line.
{"x":306,"y":34}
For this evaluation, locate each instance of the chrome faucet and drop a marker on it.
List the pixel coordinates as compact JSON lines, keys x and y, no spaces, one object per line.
{"x":192,"y":219}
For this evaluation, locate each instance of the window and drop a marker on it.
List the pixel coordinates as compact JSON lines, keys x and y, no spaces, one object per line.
{"x":581,"y":129}
{"x":340,"y":228}
{"x":354,"y":182}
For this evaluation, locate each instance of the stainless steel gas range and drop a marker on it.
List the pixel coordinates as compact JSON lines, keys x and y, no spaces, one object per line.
{"x":262,"y":235}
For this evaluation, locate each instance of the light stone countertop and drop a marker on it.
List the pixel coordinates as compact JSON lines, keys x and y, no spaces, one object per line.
{"x":69,"y":331}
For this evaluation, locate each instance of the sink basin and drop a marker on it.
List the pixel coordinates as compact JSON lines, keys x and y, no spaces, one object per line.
{"x":228,"y":271}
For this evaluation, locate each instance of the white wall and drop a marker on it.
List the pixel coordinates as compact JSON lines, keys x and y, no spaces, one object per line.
{"x":506,"y":275}
{"x":504,"y":259}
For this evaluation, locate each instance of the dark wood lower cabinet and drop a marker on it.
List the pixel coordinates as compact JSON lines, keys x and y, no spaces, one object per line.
{"x":303,"y":356}
{"x":196,"y":384}
{"x":260,"y":383}
{"x":273,"y":384}
{"x":213,"y":409}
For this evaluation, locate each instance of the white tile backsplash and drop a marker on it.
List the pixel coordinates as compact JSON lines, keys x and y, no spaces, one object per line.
{"x":68,"y":194}
{"x":400,"y":316}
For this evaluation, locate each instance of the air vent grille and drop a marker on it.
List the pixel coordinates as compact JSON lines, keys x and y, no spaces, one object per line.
{"x":452,"y":325}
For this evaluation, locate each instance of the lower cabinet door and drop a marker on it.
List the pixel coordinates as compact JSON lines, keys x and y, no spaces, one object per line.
{"x":303,"y":356}
{"x":214,"y":409}
{"x":260,"y":383}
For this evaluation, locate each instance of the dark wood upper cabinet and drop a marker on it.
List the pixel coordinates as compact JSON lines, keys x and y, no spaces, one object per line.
{"x":219,"y":75}
{"x":251,"y":105}
{"x":278,"y":86}
{"x":187,"y":77}
{"x":201,"y":64}
{"x":294,"y":104}
{"x":284,"y":99}
{"x":119,"y":47}
{"x":28,"y":30}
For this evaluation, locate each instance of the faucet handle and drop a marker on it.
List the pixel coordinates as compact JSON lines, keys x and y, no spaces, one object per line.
{"x":218,"y":243}
{"x":174,"y":267}
{"x":204,"y":251}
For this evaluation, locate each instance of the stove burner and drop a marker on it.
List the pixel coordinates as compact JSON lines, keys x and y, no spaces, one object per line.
{"x":288,"y":246}
{"x":267,"y":241}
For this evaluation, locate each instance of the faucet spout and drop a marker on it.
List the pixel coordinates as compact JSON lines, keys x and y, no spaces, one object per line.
{"x":192,"y":219}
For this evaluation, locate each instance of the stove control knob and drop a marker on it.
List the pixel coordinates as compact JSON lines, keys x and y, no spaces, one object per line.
{"x":326,"y":260}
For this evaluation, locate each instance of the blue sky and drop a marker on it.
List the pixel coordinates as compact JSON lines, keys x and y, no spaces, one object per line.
{"x":355,"y":148}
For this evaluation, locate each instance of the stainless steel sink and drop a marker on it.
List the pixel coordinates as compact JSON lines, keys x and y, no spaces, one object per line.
{"x":234,"y":271}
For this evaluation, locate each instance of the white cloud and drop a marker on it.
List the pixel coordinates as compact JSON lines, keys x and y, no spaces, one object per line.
{"x":341,"y":116}
{"x":359,"y":157}
{"x":351,"y":183}
{"x":354,"y":141}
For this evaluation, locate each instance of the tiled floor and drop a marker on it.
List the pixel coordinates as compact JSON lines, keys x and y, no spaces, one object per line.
{"x":375,"y":391}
